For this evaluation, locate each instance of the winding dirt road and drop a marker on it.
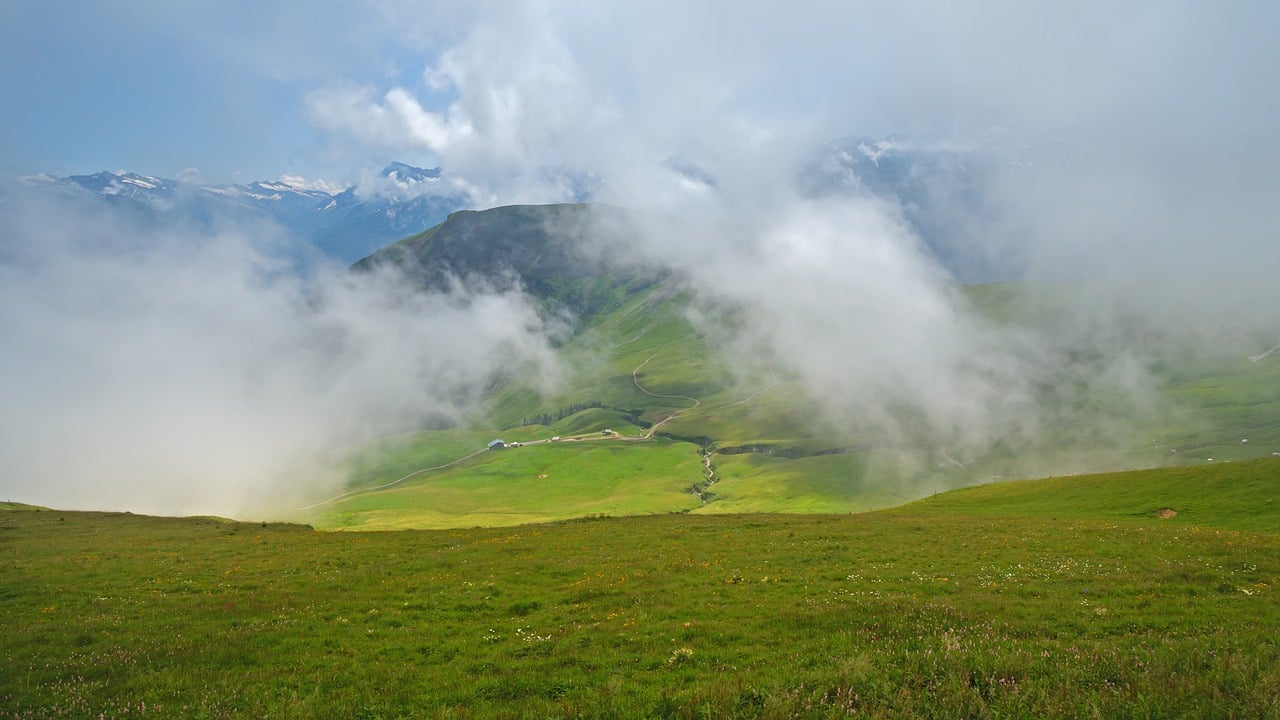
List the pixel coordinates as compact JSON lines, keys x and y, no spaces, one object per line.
{"x":636,"y":380}
{"x":393,"y":482}
{"x":1256,"y":358}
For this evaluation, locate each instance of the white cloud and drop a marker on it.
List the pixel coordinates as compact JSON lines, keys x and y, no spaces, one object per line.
{"x":186,"y":373}
{"x":437,"y":132}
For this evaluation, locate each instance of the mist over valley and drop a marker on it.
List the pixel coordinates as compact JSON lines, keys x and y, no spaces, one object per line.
{"x":384,"y":359}
{"x":859,"y":341}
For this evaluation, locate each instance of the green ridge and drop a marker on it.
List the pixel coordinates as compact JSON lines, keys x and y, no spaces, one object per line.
{"x":1236,"y":495}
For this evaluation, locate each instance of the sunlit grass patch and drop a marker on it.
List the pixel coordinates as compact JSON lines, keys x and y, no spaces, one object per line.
{"x":536,"y":483}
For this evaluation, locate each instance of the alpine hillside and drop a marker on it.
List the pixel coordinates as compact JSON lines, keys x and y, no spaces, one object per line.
{"x":656,"y":416}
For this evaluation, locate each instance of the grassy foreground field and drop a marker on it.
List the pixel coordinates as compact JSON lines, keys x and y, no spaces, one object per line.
{"x":935,"y":609}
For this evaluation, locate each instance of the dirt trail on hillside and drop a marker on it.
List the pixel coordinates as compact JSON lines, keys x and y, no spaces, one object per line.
{"x":1256,"y":358}
{"x":646,"y":330}
{"x":393,"y":482}
{"x":776,"y":382}
{"x":636,"y":380}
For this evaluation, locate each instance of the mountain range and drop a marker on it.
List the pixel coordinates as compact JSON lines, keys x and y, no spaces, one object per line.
{"x":345,"y":225}
{"x":938,"y":189}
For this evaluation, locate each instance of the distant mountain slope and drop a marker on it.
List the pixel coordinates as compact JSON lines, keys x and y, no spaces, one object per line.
{"x":353,"y":230}
{"x":346,"y":225}
{"x":558,"y":253}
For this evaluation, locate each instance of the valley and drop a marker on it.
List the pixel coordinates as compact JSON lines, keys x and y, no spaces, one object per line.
{"x":698,"y":429}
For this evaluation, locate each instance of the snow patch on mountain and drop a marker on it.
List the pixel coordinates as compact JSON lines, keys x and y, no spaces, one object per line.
{"x":296,"y":182}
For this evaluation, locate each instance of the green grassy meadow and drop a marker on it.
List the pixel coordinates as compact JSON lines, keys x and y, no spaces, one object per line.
{"x":1239,"y":495}
{"x":644,"y":368}
{"x":1023,"y":599}
{"x":548,"y":481}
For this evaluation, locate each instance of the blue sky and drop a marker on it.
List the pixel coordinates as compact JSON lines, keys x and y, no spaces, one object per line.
{"x":246,"y":90}
{"x":144,"y":86}
{"x":497,"y":90}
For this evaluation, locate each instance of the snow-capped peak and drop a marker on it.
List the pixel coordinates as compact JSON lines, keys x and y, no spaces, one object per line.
{"x":141,"y":181}
{"x":298,"y":183}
